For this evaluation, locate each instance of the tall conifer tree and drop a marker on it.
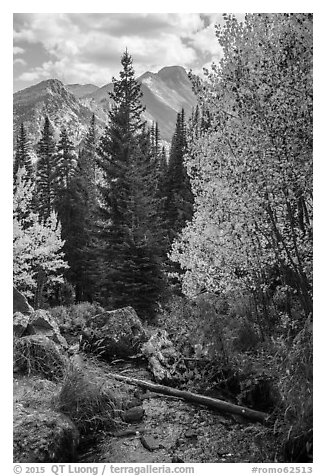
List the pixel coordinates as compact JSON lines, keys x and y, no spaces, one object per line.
{"x":82,"y":205}
{"x":65,"y":161}
{"x":68,"y":202}
{"x":179,"y":202}
{"x":23,"y":154}
{"x":131,"y":268}
{"x":46,"y":172}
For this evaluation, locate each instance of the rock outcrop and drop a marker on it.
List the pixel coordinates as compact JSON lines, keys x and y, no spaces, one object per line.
{"x":42,"y":323}
{"x":20,"y":303}
{"x":114,"y":334}
{"x":38,"y":355}
{"x":20,"y":323}
{"x":162,"y":357}
{"x":43,"y":437}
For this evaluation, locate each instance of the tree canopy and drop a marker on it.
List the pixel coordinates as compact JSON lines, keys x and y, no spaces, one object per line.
{"x":37,"y":252}
{"x":251,"y":166}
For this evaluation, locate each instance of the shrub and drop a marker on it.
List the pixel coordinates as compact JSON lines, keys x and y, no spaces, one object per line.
{"x":73,"y":319}
{"x":296,"y":389}
{"x":240,"y":305}
{"x":86,"y":401}
{"x":66,"y":294}
{"x":246,"y":337}
{"x":195,"y":325}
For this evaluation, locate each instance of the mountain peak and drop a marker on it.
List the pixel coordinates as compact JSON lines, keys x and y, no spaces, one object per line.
{"x":48,"y":84}
{"x":164,"y":94}
{"x":54,"y":84}
{"x":147,"y":74}
{"x":172,"y":72}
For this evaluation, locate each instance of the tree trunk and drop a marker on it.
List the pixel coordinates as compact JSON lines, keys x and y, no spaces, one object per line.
{"x":209,"y":402}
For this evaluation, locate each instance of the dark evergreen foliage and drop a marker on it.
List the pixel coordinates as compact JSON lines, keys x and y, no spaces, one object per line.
{"x":65,"y":161}
{"x":76,"y":203}
{"x":179,"y":202}
{"x":23,"y":154}
{"x":130,"y":268}
{"x":46,"y":172}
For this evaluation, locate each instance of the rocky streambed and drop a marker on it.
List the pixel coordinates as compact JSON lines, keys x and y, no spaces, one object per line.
{"x":169,"y":430}
{"x":66,"y":394}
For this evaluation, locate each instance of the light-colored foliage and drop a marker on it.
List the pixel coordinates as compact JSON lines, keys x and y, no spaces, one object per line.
{"x":251,"y":167}
{"x":37,"y":246}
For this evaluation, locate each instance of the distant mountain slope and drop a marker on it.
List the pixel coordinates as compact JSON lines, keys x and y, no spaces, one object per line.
{"x":80,"y":90}
{"x":101,"y":95}
{"x":164,"y":94}
{"x":50,"y":98}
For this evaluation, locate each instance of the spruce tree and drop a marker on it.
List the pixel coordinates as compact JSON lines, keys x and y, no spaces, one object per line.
{"x":179,"y":202}
{"x":68,"y":202}
{"x":131,"y":269}
{"x":87,"y":159}
{"x":82,"y":205}
{"x":23,"y":154}
{"x":45,"y":172}
{"x":65,"y":161}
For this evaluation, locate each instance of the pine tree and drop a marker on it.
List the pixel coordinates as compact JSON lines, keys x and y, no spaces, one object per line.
{"x":81,"y":226}
{"x":127,"y":97}
{"x":65,"y":161}
{"x":23,"y":154}
{"x":87,"y":158}
{"x":179,"y":204}
{"x":68,"y":202}
{"x":46,"y":172}
{"x":131,"y":268}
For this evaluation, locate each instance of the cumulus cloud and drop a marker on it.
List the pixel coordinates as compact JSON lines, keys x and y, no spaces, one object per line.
{"x":20,"y":61}
{"x":205,"y":41}
{"x":88,"y":47}
{"x":17,"y":50}
{"x":66,"y":72}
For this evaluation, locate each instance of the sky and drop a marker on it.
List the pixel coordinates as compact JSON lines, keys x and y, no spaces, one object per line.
{"x":87,"y":47}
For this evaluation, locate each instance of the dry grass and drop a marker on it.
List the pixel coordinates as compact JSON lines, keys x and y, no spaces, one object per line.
{"x":86,"y":400}
{"x":38,"y":355}
{"x":296,"y":388}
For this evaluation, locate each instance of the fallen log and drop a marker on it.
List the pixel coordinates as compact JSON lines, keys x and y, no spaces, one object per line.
{"x":209,"y":402}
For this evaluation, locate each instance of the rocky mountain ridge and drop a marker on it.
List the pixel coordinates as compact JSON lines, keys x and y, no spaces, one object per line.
{"x":164,"y":94}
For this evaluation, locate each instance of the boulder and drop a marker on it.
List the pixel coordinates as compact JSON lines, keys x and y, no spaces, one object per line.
{"x":150,"y":443}
{"x":38,"y":355}
{"x":43,"y":436}
{"x":114,"y":334}
{"x":42,"y":323}
{"x":131,"y":403}
{"x":20,"y":303}
{"x":20,"y":323}
{"x":162,"y":357}
{"x":134,"y":414}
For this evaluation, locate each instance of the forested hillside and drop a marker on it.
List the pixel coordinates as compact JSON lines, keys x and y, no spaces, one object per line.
{"x":209,"y":242}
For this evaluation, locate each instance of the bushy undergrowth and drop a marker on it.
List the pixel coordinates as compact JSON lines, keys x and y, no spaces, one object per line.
{"x":72,"y":319}
{"x":266,"y":367}
{"x":296,"y":388}
{"x":207,"y":327}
